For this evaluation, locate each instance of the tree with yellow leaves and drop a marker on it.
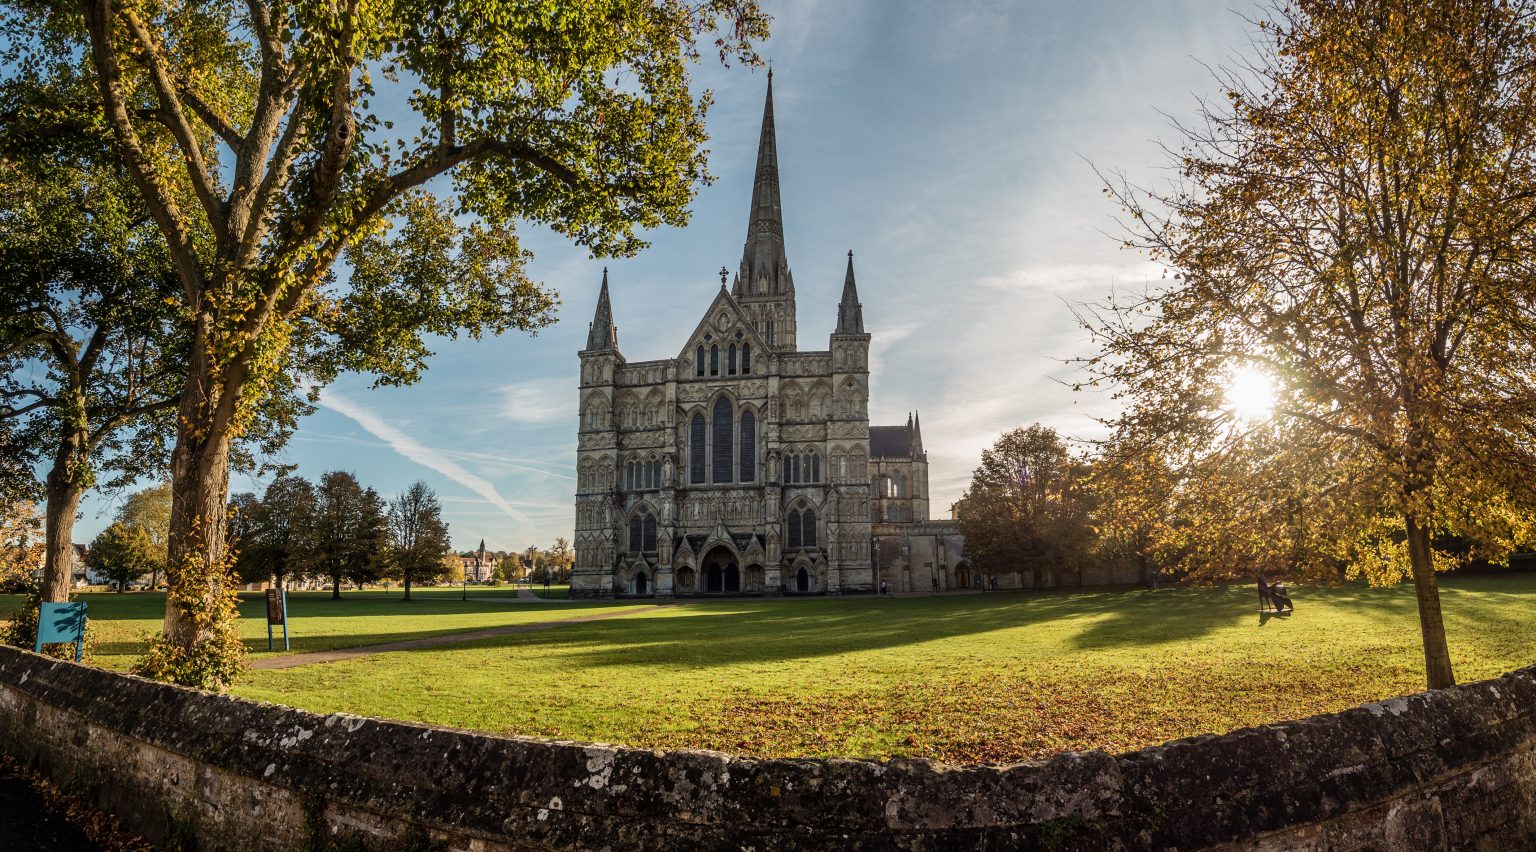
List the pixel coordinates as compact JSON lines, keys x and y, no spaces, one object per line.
{"x":1341,"y":367}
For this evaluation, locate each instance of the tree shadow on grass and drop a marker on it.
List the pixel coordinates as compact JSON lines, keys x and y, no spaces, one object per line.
{"x":748,"y":631}
{"x":1184,"y":613}
{"x":254,"y":612}
{"x":720,"y":633}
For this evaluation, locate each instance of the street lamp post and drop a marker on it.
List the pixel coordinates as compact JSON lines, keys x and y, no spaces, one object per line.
{"x":874,"y":560}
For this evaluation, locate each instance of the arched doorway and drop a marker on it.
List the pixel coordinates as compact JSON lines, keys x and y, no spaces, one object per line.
{"x":721,"y":573}
{"x":754,"y":579}
{"x":802,"y":581}
{"x":963,"y":575}
{"x":684,"y":582}
{"x":640,"y":583}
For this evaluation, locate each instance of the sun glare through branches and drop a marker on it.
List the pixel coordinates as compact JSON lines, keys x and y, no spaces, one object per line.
{"x":1250,"y":395}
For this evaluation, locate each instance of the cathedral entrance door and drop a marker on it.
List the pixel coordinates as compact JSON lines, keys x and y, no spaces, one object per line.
{"x":640,"y":583}
{"x":802,"y":581}
{"x":721,"y":573}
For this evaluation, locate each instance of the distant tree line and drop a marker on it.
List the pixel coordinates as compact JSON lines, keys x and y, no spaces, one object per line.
{"x":338,"y":532}
{"x":1036,"y":508}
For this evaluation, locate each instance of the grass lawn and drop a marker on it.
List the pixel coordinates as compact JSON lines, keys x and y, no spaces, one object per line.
{"x":122,"y":624}
{"x":553,"y":592}
{"x":994,"y":677}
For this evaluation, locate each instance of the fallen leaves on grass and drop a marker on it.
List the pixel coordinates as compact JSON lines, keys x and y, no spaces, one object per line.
{"x":1004,"y":718}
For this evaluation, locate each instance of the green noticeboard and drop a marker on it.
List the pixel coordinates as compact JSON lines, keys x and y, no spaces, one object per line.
{"x":62,"y":622}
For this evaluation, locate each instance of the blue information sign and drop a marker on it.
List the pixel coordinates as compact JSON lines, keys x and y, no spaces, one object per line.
{"x":62,"y":622}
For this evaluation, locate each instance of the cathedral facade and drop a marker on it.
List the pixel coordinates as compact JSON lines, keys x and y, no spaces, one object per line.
{"x":744,"y":464}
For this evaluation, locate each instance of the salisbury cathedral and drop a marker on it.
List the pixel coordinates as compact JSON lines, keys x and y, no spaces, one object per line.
{"x":744,"y":464}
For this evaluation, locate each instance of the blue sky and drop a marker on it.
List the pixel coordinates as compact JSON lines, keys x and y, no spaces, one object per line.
{"x":950,"y":145}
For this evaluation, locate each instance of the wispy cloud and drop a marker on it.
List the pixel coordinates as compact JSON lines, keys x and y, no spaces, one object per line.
{"x":419,"y":453}
{"x":540,"y":401}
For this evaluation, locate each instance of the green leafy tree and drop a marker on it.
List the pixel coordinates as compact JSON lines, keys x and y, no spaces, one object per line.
{"x":90,"y":341}
{"x":1026,"y":508}
{"x":121,"y":553}
{"x":579,"y":117}
{"x":349,"y":530}
{"x":1357,"y":223}
{"x":150,"y":510}
{"x":278,"y":532}
{"x":419,"y":536}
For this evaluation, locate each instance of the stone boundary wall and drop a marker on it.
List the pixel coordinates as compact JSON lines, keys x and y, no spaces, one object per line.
{"x":1449,"y":769}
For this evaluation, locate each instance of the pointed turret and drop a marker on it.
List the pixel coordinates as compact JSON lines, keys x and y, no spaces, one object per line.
{"x":850,"y":314}
{"x":601,"y":334}
{"x":764,"y":266}
{"x":917,"y":435}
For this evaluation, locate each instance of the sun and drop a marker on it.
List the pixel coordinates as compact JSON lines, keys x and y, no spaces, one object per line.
{"x":1250,"y":395}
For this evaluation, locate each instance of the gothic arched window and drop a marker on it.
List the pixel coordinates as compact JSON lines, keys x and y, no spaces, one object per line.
{"x":648,"y":538}
{"x":714,"y":360}
{"x":730,"y":359}
{"x":636,"y":537}
{"x":808,"y":521}
{"x":698,"y":361}
{"x":748,"y":446}
{"x":769,"y":335}
{"x":746,"y":357}
{"x":815,"y":468}
{"x":723,"y":432}
{"x":793,"y":525}
{"x":696,"y":435}
{"x":794,"y":468}
{"x":629,"y":476}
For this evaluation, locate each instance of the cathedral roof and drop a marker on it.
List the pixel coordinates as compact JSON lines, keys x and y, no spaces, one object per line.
{"x":893,"y":442}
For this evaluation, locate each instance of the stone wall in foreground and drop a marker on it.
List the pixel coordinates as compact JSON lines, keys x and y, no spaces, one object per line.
{"x":1448,"y":769}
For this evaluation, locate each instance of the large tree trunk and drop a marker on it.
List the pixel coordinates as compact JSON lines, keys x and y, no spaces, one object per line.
{"x":336,"y":586}
{"x":407,"y":585}
{"x":63,"y":496}
{"x":201,"y":638}
{"x":196,"y":553}
{"x":1437,"y":654}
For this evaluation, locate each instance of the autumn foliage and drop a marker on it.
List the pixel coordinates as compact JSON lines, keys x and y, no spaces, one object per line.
{"x":1357,"y":220}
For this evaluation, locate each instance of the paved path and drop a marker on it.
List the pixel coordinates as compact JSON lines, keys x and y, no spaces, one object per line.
{"x":288,"y":661}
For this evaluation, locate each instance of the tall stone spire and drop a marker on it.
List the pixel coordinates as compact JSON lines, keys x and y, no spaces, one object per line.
{"x":764,"y":266}
{"x":917,"y":435}
{"x":850,"y":314}
{"x":600,"y":333}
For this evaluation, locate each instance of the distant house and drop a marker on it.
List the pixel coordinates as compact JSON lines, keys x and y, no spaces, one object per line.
{"x":479,"y":566}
